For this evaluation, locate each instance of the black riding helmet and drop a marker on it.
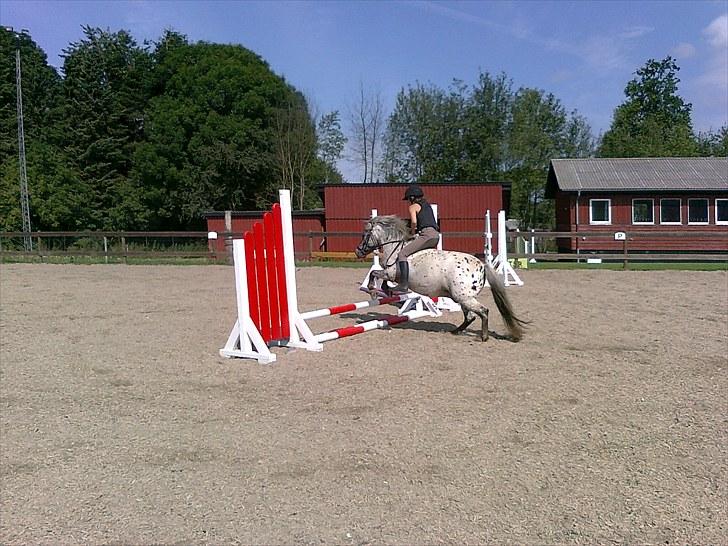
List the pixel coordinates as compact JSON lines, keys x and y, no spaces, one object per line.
{"x":413,"y":190}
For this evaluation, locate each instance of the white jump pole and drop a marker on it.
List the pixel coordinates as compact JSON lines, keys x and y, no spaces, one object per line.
{"x":370,"y":325}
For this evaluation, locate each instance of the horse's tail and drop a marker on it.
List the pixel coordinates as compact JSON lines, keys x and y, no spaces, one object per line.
{"x":513,"y":323}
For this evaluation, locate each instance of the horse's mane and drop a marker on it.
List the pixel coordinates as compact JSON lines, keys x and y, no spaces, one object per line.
{"x":395,"y":227}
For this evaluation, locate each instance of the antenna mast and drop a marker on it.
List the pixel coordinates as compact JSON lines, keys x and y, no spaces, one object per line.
{"x":24,"y":205}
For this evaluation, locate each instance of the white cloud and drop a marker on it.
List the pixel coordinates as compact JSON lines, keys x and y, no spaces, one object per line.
{"x":711,"y":87}
{"x":717,"y":35}
{"x":683,"y":50}
{"x":717,"y":32}
{"x":635,"y":32}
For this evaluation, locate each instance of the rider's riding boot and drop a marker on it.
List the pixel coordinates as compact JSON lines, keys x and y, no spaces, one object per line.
{"x":403,"y":284}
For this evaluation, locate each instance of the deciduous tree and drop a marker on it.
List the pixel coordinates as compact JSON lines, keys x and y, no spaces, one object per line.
{"x":654,"y":121}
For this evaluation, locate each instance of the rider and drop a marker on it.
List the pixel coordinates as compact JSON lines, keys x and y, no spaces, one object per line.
{"x":423,"y":224}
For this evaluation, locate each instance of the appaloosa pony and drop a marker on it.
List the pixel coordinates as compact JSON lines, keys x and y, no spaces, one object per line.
{"x":433,"y":273}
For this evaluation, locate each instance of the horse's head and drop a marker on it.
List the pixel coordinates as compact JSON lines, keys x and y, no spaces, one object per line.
{"x":380,"y":231}
{"x":370,"y":240}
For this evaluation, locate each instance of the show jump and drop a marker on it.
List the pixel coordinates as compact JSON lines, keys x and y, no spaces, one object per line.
{"x":267,"y":302}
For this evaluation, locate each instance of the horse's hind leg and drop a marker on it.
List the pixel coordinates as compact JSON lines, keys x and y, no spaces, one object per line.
{"x":472,"y":305}
{"x":467,"y":321}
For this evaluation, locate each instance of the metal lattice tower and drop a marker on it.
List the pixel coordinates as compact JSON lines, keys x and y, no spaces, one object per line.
{"x":24,"y":206}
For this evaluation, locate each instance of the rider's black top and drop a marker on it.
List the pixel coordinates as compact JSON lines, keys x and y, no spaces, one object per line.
{"x":425,"y":217}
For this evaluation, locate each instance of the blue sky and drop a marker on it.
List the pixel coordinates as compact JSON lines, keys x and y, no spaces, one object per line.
{"x":584,"y":52}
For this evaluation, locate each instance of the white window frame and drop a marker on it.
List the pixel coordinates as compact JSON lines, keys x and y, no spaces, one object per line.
{"x":707,"y":210}
{"x":652,"y":205}
{"x":679,"y":208}
{"x":719,"y":222}
{"x":609,"y":213}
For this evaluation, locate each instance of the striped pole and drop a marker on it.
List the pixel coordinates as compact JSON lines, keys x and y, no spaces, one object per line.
{"x":376,"y":324}
{"x":337,"y":309}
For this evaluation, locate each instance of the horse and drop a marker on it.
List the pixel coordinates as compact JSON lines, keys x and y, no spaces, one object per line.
{"x":457,"y":275}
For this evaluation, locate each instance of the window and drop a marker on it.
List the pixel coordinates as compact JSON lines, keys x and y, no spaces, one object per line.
{"x":643,"y":211}
{"x":670,"y":212}
{"x":721,"y":211}
{"x":600,"y":211}
{"x":697,"y":211}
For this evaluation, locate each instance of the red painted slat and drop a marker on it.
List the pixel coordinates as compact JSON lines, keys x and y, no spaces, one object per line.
{"x":349,"y":331}
{"x":394,"y":319}
{"x":260,"y":270}
{"x":270,"y":265}
{"x":251,"y":276}
{"x":335,"y":310}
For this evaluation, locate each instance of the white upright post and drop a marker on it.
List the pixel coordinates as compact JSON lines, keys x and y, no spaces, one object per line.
{"x":505,"y":268}
{"x":376,"y":266}
{"x":488,"y":239}
{"x":300,"y":333}
{"x":434,"y":213}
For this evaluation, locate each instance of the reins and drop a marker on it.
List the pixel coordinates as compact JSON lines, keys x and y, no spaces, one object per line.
{"x":394,"y":252}
{"x":368,"y":247}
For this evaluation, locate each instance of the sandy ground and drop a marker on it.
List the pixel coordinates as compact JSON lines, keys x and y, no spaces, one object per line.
{"x":121,"y":424}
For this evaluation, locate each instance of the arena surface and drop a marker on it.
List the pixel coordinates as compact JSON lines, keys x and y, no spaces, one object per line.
{"x":121,"y":424}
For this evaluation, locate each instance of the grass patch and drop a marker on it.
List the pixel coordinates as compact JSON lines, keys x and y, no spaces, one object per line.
{"x":93,"y":260}
{"x":635,"y":266}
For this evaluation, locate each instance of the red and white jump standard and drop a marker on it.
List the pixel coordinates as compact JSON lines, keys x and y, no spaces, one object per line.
{"x":267,"y":303}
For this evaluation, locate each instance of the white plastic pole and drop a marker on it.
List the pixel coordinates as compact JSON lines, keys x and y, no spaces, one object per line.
{"x":434,"y":213}
{"x":297,"y":326}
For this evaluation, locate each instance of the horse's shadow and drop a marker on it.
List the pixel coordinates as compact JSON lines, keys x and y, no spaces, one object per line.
{"x":424,"y":326}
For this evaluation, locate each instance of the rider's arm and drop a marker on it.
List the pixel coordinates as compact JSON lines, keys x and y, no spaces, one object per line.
{"x":414,"y":208}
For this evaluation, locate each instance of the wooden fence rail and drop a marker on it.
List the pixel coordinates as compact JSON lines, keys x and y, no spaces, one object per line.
{"x":127,"y":244}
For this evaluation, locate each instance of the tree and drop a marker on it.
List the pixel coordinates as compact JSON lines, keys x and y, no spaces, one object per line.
{"x":424,"y":139}
{"x":654,"y":120}
{"x":210,"y":131}
{"x":331,"y":141}
{"x":539,"y":130}
{"x":488,"y":112}
{"x":367,"y":128}
{"x":105,"y":91}
{"x":713,"y":143}
{"x":295,"y":140}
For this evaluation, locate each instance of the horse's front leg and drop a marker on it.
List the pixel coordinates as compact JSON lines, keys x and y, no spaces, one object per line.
{"x":374,"y":276}
{"x":382,"y":275}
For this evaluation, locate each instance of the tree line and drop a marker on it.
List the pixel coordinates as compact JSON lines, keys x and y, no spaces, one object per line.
{"x":150,"y":136}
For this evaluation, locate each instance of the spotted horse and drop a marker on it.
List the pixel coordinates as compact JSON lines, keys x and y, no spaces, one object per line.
{"x":437,"y":273}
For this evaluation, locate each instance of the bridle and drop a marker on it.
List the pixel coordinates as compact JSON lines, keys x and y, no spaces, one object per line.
{"x":366,"y":247}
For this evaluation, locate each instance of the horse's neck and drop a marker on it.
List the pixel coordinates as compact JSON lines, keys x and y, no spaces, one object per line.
{"x":389,"y":252}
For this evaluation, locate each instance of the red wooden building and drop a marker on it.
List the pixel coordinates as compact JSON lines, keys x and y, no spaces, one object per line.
{"x":461,"y":209}
{"x":642,"y":197}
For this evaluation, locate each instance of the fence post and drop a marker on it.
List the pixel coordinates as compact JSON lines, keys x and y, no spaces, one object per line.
{"x":228,"y":237}
{"x":624,"y":251}
{"x":106,"y":250}
{"x":123,"y":247}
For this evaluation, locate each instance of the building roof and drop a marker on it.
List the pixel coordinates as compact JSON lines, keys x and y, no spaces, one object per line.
{"x":638,"y":174}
